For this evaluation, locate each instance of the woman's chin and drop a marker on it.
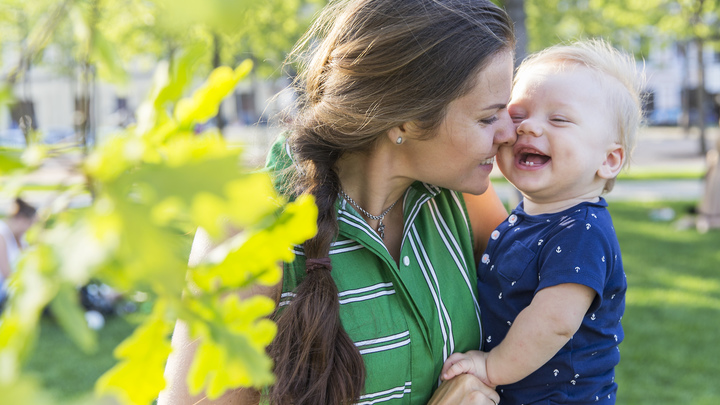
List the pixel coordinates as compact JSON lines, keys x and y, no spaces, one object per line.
{"x":476,"y":189}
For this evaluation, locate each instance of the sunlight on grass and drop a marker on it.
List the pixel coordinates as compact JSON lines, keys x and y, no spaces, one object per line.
{"x":670,"y":351}
{"x":691,"y":283}
{"x":657,"y":297}
{"x":653,"y":173}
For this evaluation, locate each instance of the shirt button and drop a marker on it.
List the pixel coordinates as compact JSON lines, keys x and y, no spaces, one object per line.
{"x":406,"y":261}
{"x":495,"y":234}
{"x":512,"y":219}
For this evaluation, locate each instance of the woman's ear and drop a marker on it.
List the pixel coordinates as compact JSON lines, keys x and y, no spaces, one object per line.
{"x":614,"y":160}
{"x":398,"y":134}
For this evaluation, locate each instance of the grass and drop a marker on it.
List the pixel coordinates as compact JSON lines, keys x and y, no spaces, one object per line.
{"x":642,"y":174}
{"x":670,"y":353}
{"x":67,"y":372}
{"x":669,"y":356}
{"x":653,"y":173}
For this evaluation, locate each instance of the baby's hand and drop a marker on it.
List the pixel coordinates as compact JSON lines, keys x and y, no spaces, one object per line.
{"x":471,"y":362}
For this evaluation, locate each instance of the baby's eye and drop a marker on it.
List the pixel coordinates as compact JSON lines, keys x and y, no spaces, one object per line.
{"x":558,"y":119}
{"x":489,"y":121}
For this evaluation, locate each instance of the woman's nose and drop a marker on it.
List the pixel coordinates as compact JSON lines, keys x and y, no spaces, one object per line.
{"x":506,"y":132}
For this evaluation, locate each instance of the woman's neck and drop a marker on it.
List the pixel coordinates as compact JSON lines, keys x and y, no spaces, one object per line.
{"x":370,"y":179}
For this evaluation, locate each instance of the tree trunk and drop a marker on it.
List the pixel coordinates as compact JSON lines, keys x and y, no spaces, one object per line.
{"x":516,"y":10}
{"x":701,"y":94}
{"x":685,"y":90}
{"x":217,"y":46}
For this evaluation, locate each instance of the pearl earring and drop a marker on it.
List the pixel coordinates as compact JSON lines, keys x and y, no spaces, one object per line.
{"x":399,"y":140}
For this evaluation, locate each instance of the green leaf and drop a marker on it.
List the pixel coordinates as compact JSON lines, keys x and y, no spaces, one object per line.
{"x":231,"y":351}
{"x":6,"y":95}
{"x":110,"y":66}
{"x":82,"y":241}
{"x":204,"y":103}
{"x":30,"y":291}
{"x":252,"y":257}
{"x":138,"y":378}
{"x":10,"y":160}
{"x":180,"y":75}
{"x":66,"y":309}
{"x":25,"y":390}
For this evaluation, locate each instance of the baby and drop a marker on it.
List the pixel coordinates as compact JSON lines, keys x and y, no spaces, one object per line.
{"x":551,"y":282}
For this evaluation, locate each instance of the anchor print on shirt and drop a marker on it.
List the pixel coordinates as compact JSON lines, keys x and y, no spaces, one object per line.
{"x":573,"y":380}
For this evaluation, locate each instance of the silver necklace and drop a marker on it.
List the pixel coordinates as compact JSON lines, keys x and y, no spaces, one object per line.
{"x":381,"y":226}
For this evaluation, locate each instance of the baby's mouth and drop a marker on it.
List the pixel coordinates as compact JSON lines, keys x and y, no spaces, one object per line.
{"x":532,"y":159}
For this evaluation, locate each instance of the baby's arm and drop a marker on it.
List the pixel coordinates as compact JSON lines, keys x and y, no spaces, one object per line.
{"x":538,"y":333}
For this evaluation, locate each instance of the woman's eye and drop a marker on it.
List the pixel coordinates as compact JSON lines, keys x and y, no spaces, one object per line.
{"x":489,"y":121}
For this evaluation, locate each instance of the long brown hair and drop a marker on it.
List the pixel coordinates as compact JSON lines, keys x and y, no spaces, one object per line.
{"x":365,"y":66}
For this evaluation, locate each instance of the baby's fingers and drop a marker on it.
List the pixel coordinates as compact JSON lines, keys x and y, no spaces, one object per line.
{"x":456,"y":366}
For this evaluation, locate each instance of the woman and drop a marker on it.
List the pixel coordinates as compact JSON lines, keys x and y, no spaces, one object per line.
{"x":12,"y":231}
{"x":402,"y":108}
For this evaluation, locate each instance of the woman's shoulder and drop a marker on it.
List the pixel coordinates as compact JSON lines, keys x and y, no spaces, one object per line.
{"x":281,"y":165}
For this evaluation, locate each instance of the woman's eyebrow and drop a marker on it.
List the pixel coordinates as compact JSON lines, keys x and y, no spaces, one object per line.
{"x":496,"y":107}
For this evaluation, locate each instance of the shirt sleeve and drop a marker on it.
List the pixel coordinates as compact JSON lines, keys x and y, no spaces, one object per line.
{"x":279,"y":163}
{"x":578,"y":253}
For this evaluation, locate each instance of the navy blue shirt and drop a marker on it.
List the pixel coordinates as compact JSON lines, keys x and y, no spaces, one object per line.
{"x":527,"y":253}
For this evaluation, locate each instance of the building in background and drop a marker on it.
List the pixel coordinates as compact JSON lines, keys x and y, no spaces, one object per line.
{"x":49,"y":97}
{"x":672,"y":80}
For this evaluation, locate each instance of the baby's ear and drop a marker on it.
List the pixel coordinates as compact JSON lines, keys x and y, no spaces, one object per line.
{"x":613,"y":163}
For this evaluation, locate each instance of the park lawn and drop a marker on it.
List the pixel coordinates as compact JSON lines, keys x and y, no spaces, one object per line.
{"x":68,"y":373}
{"x":669,"y":356}
{"x":670,"y":353}
{"x":642,"y":174}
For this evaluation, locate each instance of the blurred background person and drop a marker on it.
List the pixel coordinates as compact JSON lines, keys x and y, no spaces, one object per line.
{"x":12,"y":232}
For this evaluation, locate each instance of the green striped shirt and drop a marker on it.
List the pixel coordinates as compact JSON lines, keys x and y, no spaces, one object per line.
{"x":406,"y":318}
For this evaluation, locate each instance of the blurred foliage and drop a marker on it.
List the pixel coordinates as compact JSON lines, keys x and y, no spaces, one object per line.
{"x":634,"y":24}
{"x":153,"y":185}
{"x":109,"y":34}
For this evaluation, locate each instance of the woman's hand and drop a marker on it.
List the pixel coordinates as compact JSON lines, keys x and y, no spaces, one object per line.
{"x":464,"y":389}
